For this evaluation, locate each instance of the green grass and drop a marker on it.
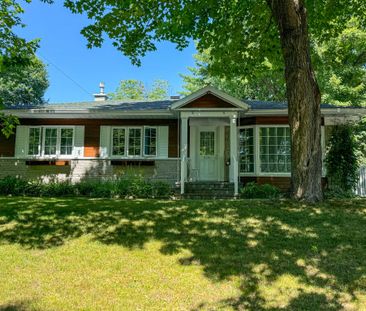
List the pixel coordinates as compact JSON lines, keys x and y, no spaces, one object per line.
{"x":89,"y":254}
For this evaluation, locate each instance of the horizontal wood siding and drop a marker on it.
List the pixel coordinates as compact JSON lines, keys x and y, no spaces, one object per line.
{"x":7,"y":146}
{"x":92,"y":130}
{"x":208,"y":101}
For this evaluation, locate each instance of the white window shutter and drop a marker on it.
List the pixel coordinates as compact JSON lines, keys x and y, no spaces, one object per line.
{"x":79,"y":141}
{"x":105,"y":141}
{"x":163,"y":141}
{"x":21,"y":141}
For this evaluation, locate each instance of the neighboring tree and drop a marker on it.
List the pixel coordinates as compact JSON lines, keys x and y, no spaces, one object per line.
{"x":24,"y":84}
{"x":341,"y":160}
{"x":265,"y":83}
{"x":129,"y":89}
{"x":15,"y":52}
{"x":159,"y":90}
{"x":136,"y":90}
{"x":339,"y":64}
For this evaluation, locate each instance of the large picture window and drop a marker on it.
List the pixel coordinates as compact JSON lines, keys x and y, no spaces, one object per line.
{"x":246,"y":150}
{"x":50,"y":141}
{"x":275,"y":150}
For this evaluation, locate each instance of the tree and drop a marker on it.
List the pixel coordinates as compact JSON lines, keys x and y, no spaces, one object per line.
{"x":136,"y":90}
{"x":23,"y":84}
{"x":339,"y":64}
{"x":129,"y":89}
{"x":264,"y":83}
{"x":241,"y":35}
{"x":15,"y":52}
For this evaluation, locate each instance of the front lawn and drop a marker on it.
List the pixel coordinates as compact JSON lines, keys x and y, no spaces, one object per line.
{"x":91,"y":254}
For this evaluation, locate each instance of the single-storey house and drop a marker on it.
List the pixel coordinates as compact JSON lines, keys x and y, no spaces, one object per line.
{"x":207,"y":137}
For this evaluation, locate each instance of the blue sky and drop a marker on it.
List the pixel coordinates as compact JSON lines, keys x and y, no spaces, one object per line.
{"x":75,"y":71}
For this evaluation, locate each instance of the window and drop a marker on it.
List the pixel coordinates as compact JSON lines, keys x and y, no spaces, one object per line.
{"x":150,"y":141}
{"x":275,"y":150}
{"x":246,"y":150}
{"x":51,"y":141}
{"x":207,"y":143}
{"x":34,"y":142}
{"x":118,"y":142}
{"x":134,"y":141}
{"x":66,"y":141}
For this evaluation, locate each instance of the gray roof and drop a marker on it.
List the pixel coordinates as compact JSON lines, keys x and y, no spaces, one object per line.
{"x":103,"y":105}
{"x":147,"y":105}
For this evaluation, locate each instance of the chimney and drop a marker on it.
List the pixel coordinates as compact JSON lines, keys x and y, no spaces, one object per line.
{"x":101,"y":96}
{"x":175,"y":97}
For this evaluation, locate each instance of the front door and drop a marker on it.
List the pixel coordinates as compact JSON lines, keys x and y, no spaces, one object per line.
{"x":208,"y":153}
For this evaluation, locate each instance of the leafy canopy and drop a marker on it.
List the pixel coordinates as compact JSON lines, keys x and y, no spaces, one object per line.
{"x":339,"y":64}
{"x":22,"y":84}
{"x":136,"y":90}
{"x":241,"y":34}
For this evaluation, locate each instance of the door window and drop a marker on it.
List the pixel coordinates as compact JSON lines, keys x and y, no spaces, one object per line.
{"x":207,"y":143}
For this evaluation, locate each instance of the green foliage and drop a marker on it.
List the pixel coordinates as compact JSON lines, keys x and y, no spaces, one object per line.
{"x":24,"y":84}
{"x":135,"y":187}
{"x":341,"y":159}
{"x":253,"y":190}
{"x":136,"y":90}
{"x":360,"y":137}
{"x":340,"y":66}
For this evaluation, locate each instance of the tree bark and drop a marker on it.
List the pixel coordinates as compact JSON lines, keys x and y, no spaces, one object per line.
{"x":303,"y":97}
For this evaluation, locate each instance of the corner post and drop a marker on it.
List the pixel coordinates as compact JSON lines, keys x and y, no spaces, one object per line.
{"x":183,"y":152}
{"x":234,"y":167}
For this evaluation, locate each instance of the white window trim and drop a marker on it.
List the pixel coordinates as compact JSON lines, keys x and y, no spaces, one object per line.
{"x":157,"y":140}
{"x":41,"y":154}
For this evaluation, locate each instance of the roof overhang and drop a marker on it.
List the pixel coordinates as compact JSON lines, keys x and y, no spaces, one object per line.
{"x":236,"y":103}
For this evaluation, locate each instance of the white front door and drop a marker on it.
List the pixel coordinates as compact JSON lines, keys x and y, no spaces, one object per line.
{"x":208,"y":153}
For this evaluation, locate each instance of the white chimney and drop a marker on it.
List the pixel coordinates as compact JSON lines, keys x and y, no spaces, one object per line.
{"x":101,"y":96}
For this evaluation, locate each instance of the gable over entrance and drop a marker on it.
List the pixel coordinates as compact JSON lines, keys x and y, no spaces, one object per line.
{"x":211,"y":99}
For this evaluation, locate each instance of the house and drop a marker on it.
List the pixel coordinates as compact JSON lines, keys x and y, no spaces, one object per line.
{"x":207,"y":136}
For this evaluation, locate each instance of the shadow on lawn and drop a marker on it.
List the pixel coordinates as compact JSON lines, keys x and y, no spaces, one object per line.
{"x":287,"y":256}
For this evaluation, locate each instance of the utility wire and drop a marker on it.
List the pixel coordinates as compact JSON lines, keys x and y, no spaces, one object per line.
{"x":65,"y":74}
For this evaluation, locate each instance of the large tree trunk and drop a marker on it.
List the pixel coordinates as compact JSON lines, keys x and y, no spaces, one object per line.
{"x":303,"y":97}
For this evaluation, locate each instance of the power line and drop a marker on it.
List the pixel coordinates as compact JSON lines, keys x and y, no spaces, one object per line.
{"x":65,"y":74}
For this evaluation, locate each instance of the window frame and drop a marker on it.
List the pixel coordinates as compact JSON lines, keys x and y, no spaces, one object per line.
{"x":157,"y":142}
{"x":260,"y":173}
{"x":127,"y":145}
{"x":39,"y":141}
{"x":58,"y":155}
{"x":257,"y":161}
{"x":254,"y":173}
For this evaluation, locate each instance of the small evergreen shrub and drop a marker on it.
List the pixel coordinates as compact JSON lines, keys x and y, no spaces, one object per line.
{"x":253,"y":190}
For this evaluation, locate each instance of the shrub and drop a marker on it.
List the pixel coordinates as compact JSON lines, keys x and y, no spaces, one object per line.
{"x":254,"y":191}
{"x":124,"y":187}
{"x":341,"y":160}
